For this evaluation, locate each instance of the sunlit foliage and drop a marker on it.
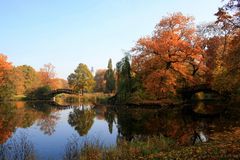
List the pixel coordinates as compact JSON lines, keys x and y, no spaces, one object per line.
{"x":172,"y":57}
{"x":82,"y":79}
{"x":7,"y":87}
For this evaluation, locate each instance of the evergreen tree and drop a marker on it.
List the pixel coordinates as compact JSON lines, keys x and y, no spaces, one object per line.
{"x":109,"y":77}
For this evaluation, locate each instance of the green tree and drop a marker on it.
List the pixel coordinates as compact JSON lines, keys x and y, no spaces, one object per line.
{"x":7,"y":89}
{"x":109,"y":77}
{"x":82,"y":79}
{"x":124,"y":77}
{"x":31,"y":79}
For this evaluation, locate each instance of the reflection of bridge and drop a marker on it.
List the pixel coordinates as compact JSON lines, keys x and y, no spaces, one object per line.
{"x":69,"y":106}
{"x":53,"y":93}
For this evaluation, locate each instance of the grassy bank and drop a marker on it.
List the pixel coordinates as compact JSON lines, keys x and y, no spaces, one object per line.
{"x":157,"y":147}
{"x":124,"y":150}
{"x":100,"y":98}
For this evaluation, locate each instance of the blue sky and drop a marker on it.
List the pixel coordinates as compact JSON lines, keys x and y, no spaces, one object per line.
{"x":69,"y":32}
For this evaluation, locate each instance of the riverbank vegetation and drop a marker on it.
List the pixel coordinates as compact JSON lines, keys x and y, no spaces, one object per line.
{"x":157,"y":147}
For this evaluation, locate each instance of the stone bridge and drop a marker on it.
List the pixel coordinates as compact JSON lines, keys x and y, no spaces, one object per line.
{"x":188,"y":92}
{"x":53,"y":93}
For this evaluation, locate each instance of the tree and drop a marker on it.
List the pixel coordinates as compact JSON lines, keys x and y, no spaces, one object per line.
{"x":40,"y":93}
{"x":213,"y":38}
{"x":227,"y":75}
{"x":171,"y":58}
{"x":7,"y":87}
{"x":109,"y":77}
{"x":229,"y":14}
{"x":82,"y":79}
{"x":18,"y":81}
{"x":30,"y":78}
{"x":124,"y":78}
{"x":59,"y":83}
{"x":47,"y":74}
{"x":100,"y":80}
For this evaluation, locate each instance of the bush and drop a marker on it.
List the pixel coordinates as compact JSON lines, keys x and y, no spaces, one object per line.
{"x":41,"y":93}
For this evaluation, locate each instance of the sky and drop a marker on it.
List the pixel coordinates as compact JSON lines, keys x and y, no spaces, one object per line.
{"x":68,"y":32}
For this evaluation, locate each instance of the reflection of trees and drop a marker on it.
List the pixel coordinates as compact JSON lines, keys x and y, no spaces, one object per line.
{"x":41,"y":107}
{"x":110,"y":118}
{"x":8,"y":121}
{"x":81,"y":120}
{"x":13,"y":115}
{"x":132,"y":122}
{"x":47,"y":123}
{"x":47,"y":119}
{"x":149,"y":122}
{"x":175,"y":123}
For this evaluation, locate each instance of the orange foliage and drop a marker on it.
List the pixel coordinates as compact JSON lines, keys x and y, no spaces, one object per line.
{"x":173,"y":54}
{"x":46,"y":75}
{"x":58,"y":83}
{"x":5,"y":67}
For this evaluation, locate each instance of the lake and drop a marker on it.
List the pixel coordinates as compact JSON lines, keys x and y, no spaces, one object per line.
{"x":49,"y":127}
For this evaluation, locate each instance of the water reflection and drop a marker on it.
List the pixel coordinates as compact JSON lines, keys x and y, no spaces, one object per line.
{"x":110,"y":118}
{"x":13,"y":116}
{"x":182,"y":124}
{"x":50,"y":125}
{"x":7,"y":122}
{"x":81,"y":119}
{"x":47,"y":123}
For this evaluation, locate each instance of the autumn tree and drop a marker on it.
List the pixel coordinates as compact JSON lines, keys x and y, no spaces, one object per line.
{"x":18,"y":81}
{"x":100,"y":81}
{"x":109,"y":77}
{"x":47,"y":74}
{"x":226,"y":78}
{"x":82,"y":79}
{"x":213,"y":39}
{"x":171,"y":58}
{"x":7,"y":88}
{"x":30,"y":78}
{"x":59,"y":83}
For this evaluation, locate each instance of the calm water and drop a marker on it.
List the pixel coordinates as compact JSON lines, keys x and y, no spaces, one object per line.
{"x":49,"y":127}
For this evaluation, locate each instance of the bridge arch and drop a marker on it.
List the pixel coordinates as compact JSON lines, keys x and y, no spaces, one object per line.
{"x":55,"y":92}
{"x":188,"y":92}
